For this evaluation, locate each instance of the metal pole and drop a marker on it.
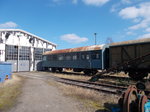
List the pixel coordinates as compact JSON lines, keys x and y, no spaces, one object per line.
{"x":18,"y":53}
{"x":95,"y":38}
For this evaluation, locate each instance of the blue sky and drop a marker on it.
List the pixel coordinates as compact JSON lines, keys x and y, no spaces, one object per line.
{"x":72,"y":23}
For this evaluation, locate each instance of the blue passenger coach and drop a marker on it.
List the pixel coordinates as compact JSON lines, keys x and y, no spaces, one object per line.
{"x":88,"y":59}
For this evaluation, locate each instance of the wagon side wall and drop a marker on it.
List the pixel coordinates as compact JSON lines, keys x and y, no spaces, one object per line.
{"x":123,"y":53}
{"x":78,"y":63}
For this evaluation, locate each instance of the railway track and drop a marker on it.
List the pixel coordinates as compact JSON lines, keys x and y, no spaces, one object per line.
{"x":98,"y":86}
{"x":106,"y":88}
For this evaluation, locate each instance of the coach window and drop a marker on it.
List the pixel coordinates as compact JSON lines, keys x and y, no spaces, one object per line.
{"x":49,"y":57}
{"x":60,"y":57}
{"x":54,"y":57}
{"x":68,"y":57}
{"x":96,"y":55}
{"x":83,"y":57}
{"x":74,"y":57}
{"x":87,"y":56}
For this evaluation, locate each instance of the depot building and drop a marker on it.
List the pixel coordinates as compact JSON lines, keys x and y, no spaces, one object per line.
{"x":23,"y":49}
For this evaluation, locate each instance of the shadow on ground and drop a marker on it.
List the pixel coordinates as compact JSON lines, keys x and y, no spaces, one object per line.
{"x":108,"y":107}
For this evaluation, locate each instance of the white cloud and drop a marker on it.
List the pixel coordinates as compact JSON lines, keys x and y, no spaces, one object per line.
{"x":143,"y":11}
{"x":130,"y":33}
{"x":74,"y":1}
{"x":95,"y":2}
{"x":122,"y":3}
{"x":73,"y":38}
{"x":139,"y":14}
{"x":8,"y":25}
{"x":148,"y":29}
{"x":144,"y":36}
{"x":129,"y":13}
{"x":143,"y":24}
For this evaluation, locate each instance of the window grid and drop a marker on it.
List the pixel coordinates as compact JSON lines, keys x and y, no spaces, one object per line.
{"x":38,"y":53}
{"x":11,"y":52}
{"x":24,"y":53}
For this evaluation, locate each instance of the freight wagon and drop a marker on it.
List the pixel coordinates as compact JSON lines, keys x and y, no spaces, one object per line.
{"x":128,"y":50}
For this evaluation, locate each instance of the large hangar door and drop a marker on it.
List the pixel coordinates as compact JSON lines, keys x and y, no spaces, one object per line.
{"x":24,"y":58}
{"x":19,"y":57}
{"x":12,"y":56}
{"x":37,"y":57}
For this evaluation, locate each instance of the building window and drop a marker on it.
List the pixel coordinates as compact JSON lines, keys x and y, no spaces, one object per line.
{"x":38,"y":53}
{"x":47,"y":50}
{"x":11,"y":52}
{"x":24,"y":53}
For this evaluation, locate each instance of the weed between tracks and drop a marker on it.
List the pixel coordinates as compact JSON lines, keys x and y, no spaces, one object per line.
{"x":105,"y":79}
{"x":9,"y":91}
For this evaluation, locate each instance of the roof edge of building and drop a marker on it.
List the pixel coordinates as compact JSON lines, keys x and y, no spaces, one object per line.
{"x":20,"y":30}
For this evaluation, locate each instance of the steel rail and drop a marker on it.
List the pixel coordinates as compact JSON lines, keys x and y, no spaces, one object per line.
{"x":106,"y":88}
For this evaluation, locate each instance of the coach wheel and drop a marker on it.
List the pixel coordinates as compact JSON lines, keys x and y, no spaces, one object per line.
{"x":77,"y":70}
{"x":60,"y":69}
{"x":53,"y":69}
{"x":45,"y":68}
{"x":137,"y":75}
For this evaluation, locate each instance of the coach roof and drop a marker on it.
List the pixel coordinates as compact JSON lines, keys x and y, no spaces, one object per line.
{"x":138,"y":41}
{"x":79,"y":49}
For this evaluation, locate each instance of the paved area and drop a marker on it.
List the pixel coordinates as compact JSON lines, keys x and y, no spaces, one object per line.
{"x":39,"y":96}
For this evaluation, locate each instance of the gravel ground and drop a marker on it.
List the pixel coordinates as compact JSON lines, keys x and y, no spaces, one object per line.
{"x":38,"y":96}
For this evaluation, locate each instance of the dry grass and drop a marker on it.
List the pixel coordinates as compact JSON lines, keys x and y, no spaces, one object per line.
{"x":90,"y":100}
{"x":75,"y":77}
{"x":9,"y":90}
{"x":115,"y":81}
